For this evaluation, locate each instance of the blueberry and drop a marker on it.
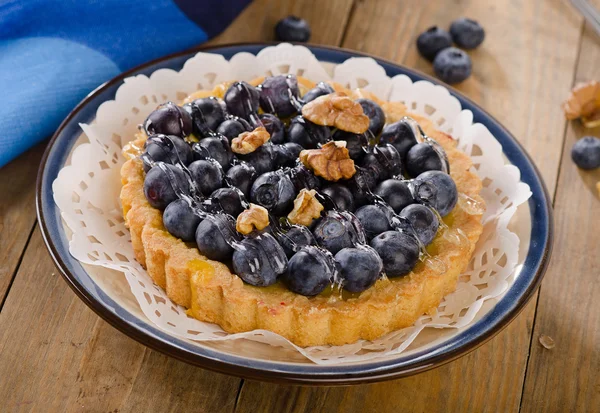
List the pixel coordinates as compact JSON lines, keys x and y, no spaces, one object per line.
{"x":207,"y":114}
{"x":163,"y":183}
{"x":230,"y":201}
{"x":355,"y":143}
{"x":371,"y":164}
{"x":334,"y":232}
{"x":422,"y":158}
{"x":277,"y":93}
{"x":294,"y":148}
{"x":302,"y":177}
{"x":168,"y":149}
{"x":438,"y":190}
{"x":274,"y":191}
{"x":359,"y":268}
{"x":292,"y":29}
{"x":263,"y":159}
{"x":207,"y":175}
{"x":586,"y":152}
{"x":395,"y":193}
{"x":286,"y":155}
{"x":423,"y":220}
{"x":400,"y":135}
{"x":467,"y":33}
{"x":362,"y":184}
{"x":259,"y":260}
{"x":242,"y":99}
{"x":168,"y":119}
{"x":432,"y":41}
{"x":274,"y":126}
{"x":231,"y":128}
{"x":341,"y":196}
{"x":295,"y":238}
{"x":389,"y":158}
{"x":307,"y":134}
{"x":375,"y":114}
{"x":180,"y":220}
{"x":309,"y":271}
{"x":398,"y":251}
{"x":216,"y":147}
{"x":452,"y":65}
{"x":374,"y":219}
{"x":321,"y":89}
{"x":214,"y":237}
{"x":383,"y":162}
{"x":241,"y":176}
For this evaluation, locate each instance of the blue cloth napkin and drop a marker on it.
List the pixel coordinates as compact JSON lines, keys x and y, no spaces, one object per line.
{"x":54,"y":52}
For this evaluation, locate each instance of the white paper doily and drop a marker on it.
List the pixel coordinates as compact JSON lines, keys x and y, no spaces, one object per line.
{"x":87,"y":190}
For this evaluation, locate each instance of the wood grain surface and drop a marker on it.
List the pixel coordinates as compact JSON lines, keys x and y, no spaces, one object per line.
{"x":566,"y":378}
{"x":57,"y":355}
{"x":17,"y":212}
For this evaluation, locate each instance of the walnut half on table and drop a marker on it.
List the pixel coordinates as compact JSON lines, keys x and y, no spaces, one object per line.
{"x":584,"y":103}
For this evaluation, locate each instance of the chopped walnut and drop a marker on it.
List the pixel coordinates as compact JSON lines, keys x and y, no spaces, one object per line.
{"x":584,"y":102}
{"x":331,"y":162}
{"x":306,"y":208}
{"x":255,"y":217}
{"x":248,"y":142}
{"x":339,"y":110}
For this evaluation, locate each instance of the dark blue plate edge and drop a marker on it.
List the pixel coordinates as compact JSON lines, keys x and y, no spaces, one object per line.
{"x":483,"y":330}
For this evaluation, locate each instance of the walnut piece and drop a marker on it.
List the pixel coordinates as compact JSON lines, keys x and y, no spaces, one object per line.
{"x":255,"y":217}
{"x":339,"y":110}
{"x":331,"y":162}
{"x":306,"y":208}
{"x":584,"y":102}
{"x":248,"y":142}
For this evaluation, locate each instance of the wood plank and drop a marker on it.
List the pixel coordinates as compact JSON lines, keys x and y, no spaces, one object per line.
{"x":565,"y":378}
{"x":257,"y":22}
{"x":17,"y":212}
{"x":57,"y":355}
{"x":513,"y":80}
{"x":164,"y":384}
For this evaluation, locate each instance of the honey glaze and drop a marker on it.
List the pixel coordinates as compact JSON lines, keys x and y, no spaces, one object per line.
{"x":208,"y":209}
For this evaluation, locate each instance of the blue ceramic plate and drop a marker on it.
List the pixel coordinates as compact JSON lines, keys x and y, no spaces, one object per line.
{"x":242,"y":363}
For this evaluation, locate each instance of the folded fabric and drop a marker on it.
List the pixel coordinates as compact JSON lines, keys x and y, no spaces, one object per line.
{"x":54,"y":52}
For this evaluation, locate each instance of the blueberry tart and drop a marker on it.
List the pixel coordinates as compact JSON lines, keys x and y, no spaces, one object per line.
{"x":323,"y":214}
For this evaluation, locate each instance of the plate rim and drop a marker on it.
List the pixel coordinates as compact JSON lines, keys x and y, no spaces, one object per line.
{"x":338,"y":375}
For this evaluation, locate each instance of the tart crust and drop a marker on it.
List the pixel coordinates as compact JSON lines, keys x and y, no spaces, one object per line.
{"x":213,"y":294}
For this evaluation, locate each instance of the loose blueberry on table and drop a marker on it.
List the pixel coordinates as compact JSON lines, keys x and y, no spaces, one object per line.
{"x":467,"y":33}
{"x":292,"y":29}
{"x":452,"y":65}
{"x":323,"y":218}
{"x":586,"y":152}
{"x":432,"y":41}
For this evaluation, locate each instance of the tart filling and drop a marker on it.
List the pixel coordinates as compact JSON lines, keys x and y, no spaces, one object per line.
{"x":319,"y":213}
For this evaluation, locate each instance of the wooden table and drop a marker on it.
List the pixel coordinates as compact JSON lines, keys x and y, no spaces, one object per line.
{"x":57,"y":355}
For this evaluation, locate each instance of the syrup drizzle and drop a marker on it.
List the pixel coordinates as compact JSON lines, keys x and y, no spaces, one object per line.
{"x":424,"y":138}
{"x":403,"y":225}
{"x":470,"y":205}
{"x":255,"y":121}
{"x":206,"y":208}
